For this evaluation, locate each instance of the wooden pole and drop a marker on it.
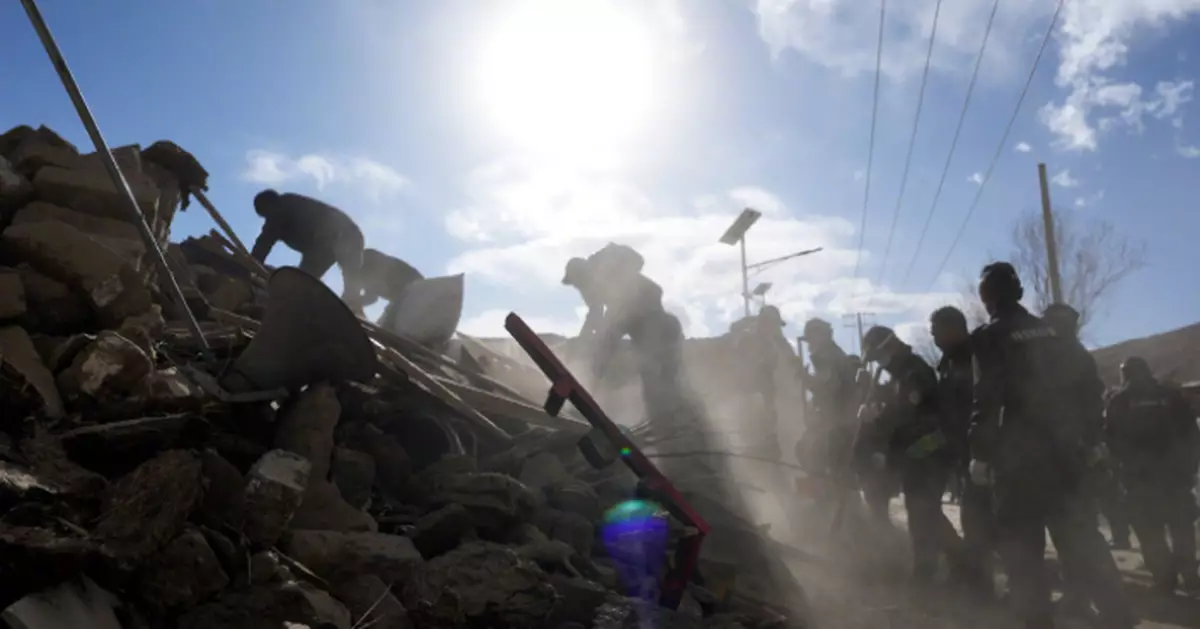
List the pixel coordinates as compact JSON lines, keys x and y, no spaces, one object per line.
{"x":1051,"y":245}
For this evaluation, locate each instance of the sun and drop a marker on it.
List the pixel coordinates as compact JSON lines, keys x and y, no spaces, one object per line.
{"x":570,"y":77}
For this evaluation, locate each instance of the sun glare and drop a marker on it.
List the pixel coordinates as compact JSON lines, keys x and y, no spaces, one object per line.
{"x":569,"y":77}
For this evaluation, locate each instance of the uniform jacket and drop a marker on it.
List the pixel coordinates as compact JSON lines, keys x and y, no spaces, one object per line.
{"x":911,"y":420}
{"x":1152,"y":433}
{"x":956,"y":379}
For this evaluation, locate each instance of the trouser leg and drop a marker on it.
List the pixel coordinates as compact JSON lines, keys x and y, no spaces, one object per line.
{"x":1148,"y":522}
{"x":1088,"y":565}
{"x":1021,"y":521}
{"x":1112,"y":506}
{"x":317,"y":263}
{"x":929,"y":530}
{"x":979,"y":536}
{"x":1181,"y":522}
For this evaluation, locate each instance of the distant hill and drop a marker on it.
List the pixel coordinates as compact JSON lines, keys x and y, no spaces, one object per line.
{"x":1173,"y":355}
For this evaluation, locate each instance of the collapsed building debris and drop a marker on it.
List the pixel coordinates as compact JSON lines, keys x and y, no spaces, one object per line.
{"x":137,"y":482}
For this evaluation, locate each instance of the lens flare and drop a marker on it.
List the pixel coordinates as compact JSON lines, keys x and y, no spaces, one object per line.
{"x":635,"y":534}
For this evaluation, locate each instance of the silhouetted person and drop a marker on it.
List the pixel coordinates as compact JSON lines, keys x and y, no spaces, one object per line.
{"x":1028,"y":440}
{"x":385,"y":276}
{"x":1153,"y":435}
{"x":322,"y":234}
{"x":948,"y":326}
{"x":911,"y":435}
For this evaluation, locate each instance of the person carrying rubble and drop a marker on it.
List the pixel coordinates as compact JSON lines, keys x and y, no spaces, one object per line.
{"x":948,"y":327}
{"x":909,"y":435}
{"x":1027,"y":441}
{"x":1154,"y":437}
{"x":624,"y":302}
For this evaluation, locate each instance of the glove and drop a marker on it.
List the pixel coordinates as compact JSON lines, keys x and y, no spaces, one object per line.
{"x":1097,"y":454}
{"x":980,"y":472}
{"x":879,"y":460}
{"x":868,"y":413}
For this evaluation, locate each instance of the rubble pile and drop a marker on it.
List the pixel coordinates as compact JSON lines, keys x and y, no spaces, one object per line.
{"x":130,"y":489}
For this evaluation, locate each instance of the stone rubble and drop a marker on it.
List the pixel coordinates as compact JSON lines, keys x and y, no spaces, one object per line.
{"x":345,"y":505}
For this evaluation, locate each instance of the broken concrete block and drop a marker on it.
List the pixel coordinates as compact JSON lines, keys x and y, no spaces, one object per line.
{"x":112,"y":366}
{"x":274,"y":490}
{"x":37,"y":559}
{"x":115,"y":448}
{"x":12,"y":294}
{"x":51,"y":305}
{"x":18,"y":354}
{"x":323,"y":509}
{"x":225,"y":491}
{"x":58,"y":352}
{"x":491,"y":584}
{"x":307,"y":426}
{"x":338,"y":556}
{"x":112,"y":286}
{"x":230,"y":294}
{"x":50,"y":463}
{"x":149,"y":506}
{"x":393,"y":468}
{"x":91,"y":191}
{"x":268,"y":607}
{"x":168,"y":386}
{"x":185,"y":573}
{"x":263,"y":566}
{"x":18,"y":485}
{"x":354,"y":475}
{"x":144,"y":329}
{"x":575,"y":530}
{"x":443,"y":530}
{"x":371,"y":603}
{"x":495,"y":500}
{"x":15,"y":189}
{"x":575,"y":496}
{"x":119,"y":236}
{"x":543,"y":470}
{"x":34,"y":153}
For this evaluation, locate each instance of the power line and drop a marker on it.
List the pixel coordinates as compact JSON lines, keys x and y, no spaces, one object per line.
{"x":1003,"y":140}
{"x":912,"y":142}
{"x":953,"y":142}
{"x":862,"y":230}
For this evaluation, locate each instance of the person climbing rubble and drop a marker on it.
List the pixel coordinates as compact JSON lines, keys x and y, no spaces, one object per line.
{"x":622,"y":302}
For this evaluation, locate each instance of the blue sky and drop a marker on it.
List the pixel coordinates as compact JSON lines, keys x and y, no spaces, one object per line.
{"x":430,"y":123}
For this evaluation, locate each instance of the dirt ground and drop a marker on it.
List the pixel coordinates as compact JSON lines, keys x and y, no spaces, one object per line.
{"x":871,"y":591}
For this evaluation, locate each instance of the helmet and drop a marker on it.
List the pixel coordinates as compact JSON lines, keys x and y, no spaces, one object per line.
{"x":576,"y":270}
{"x":816,"y":329}
{"x":771,"y":314}
{"x":1135,"y":368}
{"x":998,"y":282}
{"x":878,"y":343}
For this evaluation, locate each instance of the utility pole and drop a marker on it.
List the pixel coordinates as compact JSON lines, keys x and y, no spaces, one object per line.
{"x":1051,"y":245}
{"x":736,"y":234}
{"x":855,"y":322}
{"x":745,"y":277}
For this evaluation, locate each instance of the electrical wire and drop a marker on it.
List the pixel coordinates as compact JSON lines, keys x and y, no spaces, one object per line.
{"x":953,"y":142}
{"x":1003,"y":140}
{"x":912,"y":141}
{"x":862,"y":230}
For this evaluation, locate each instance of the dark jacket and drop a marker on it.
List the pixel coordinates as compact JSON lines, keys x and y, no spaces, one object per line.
{"x":1027,"y":392}
{"x":1152,"y":433}
{"x":911,"y":421}
{"x":956,"y":391}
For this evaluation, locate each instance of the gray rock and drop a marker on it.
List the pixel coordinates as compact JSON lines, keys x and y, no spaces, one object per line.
{"x":339,"y":556}
{"x":442,"y":531}
{"x":274,"y":490}
{"x":12,"y":294}
{"x":268,"y":607}
{"x":183,"y":575}
{"x":148,"y":507}
{"x":354,"y":475}
{"x":110,"y":367}
{"x":18,"y":352}
{"x":323,"y":509}
{"x":369,"y":596}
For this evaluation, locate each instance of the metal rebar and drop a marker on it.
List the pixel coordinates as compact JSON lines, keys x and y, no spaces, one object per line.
{"x":110,"y":164}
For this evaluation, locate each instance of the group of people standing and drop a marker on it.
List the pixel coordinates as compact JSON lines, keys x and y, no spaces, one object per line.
{"x":1016,"y":412}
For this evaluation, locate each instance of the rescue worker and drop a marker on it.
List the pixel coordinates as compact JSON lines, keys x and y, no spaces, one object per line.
{"x":767,"y":349}
{"x":910,"y":437}
{"x":624,"y":302}
{"x":1101,"y":483}
{"x":1154,"y":436}
{"x":834,"y":388}
{"x":1027,"y":441}
{"x":948,"y":326}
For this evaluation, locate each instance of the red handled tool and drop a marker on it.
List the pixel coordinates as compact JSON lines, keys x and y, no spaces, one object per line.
{"x":565,"y":387}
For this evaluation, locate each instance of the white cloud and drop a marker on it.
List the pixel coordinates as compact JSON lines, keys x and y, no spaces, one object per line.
{"x":835,"y":34}
{"x":1095,"y":39}
{"x":524,"y":220}
{"x":1188,"y":151}
{"x":374,"y":180}
{"x":1089,"y":200}
{"x":1022,"y":147}
{"x":1064,"y":179}
{"x":976,"y":178}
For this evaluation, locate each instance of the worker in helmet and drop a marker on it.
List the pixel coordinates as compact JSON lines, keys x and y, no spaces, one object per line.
{"x":1154,"y":437}
{"x":829,"y":434}
{"x":1034,"y":460}
{"x":623,"y":302}
{"x":910,"y":438}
